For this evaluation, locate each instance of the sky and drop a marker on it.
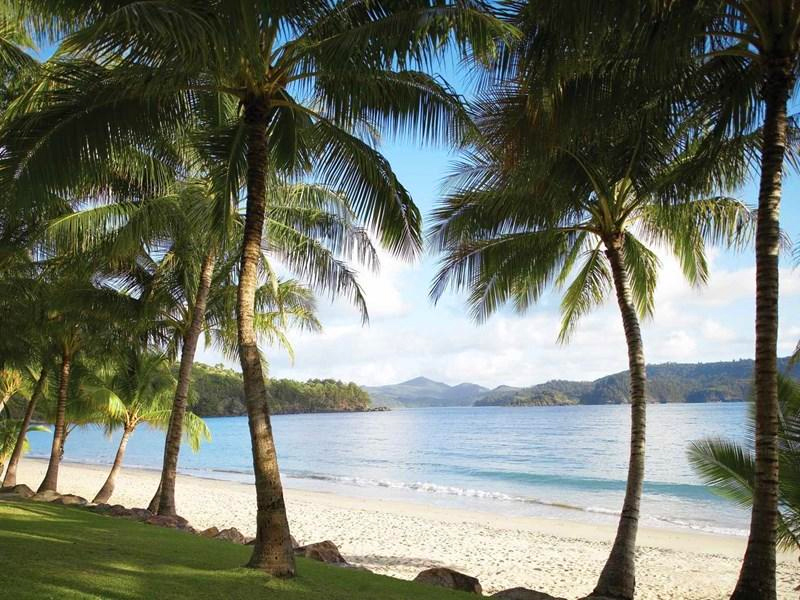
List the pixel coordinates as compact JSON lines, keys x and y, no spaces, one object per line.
{"x":408,"y":336}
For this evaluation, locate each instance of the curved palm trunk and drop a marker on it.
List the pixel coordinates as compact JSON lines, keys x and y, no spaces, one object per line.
{"x":273,"y":548}
{"x":108,"y":487}
{"x":50,"y":481}
{"x":163,"y":501}
{"x":618,"y":577}
{"x":757,"y":577}
{"x":11,"y":474}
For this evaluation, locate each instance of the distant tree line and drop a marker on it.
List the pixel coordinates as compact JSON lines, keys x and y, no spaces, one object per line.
{"x":218,"y":392}
{"x":729,"y":381}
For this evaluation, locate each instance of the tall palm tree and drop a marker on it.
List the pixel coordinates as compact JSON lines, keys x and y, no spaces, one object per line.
{"x":313,"y":78}
{"x":732,"y":65}
{"x":141,"y":385}
{"x":84,"y":319}
{"x":588,"y":221}
{"x":751,"y":55}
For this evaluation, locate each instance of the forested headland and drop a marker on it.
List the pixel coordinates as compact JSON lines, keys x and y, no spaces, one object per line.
{"x":218,"y":392}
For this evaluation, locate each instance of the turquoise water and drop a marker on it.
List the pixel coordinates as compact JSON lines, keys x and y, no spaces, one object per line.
{"x":565,"y":462}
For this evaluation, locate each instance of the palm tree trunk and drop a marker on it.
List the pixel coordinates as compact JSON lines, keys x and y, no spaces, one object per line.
{"x":11,"y":474}
{"x":108,"y":487}
{"x":50,"y":481}
{"x":757,"y":576}
{"x":156,"y":500}
{"x":273,"y":547}
{"x":163,"y":501}
{"x":618,"y":577}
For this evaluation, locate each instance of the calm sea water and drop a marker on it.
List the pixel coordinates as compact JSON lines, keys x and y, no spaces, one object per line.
{"x":565,"y":462}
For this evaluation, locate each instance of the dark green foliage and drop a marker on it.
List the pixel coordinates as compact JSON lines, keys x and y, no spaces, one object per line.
{"x":220,"y":393}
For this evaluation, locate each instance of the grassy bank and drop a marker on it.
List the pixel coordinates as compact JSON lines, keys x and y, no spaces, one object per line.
{"x":60,"y":552}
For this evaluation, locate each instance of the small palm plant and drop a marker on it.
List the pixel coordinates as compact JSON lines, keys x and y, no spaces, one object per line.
{"x":729,"y":466}
{"x":138,"y":388}
{"x":9,"y":432}
{"x":20,"y":447}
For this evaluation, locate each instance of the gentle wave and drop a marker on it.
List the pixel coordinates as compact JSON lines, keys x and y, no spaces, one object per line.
{"x":434,"y":488}
{"x":430,"y":488}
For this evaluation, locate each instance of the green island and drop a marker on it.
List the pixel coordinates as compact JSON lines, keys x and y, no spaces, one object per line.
{"x":219,"y":393}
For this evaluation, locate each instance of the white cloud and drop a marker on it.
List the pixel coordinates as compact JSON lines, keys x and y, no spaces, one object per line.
{"x":408,"y":337}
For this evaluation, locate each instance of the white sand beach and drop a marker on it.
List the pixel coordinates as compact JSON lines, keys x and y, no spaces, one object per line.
{"x":400,"y":539}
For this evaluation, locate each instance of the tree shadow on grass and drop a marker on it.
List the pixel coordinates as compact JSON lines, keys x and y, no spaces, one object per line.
{"x":61,"y":552}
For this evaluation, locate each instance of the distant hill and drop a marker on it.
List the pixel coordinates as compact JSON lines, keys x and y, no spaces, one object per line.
{"x":728,"y":381}
{"x":219,"y":392}
{"x":666,"y":383}
{"x":421,"y":392}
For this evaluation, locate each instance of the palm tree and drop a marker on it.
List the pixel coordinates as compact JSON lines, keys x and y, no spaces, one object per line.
{"x":520,"y":221}
{"x":729,"y":467}
{"x":747,"y":81}
{"x":141,"y":386}
{"x":313,"y":79}
{"x":310,"y":229}
{"x":732,"y":65}
{"x":84,"y":319}
{"x":39,"y":390}
{"x":9,"y":432}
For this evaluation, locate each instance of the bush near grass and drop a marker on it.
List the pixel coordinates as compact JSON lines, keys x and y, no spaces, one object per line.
{"x":49,"y":551}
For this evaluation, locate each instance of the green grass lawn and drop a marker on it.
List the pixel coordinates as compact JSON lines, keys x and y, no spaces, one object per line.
{"x":49,"y":551}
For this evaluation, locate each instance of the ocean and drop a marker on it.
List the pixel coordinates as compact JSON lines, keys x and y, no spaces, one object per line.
{"x":565,"y":462}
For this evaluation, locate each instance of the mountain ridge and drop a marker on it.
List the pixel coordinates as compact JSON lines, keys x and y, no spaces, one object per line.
{"x":671,"y":382}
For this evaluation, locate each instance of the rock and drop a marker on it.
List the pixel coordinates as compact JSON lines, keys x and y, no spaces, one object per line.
{"x":521,"y":593}
{"x":117,"y":510}
{"x":162,"y":521}
{"x":45,"y":496}
{"x":326,"y":552}
{"x":232,"y":535}
{"x":210,"y":532}
{"x":21,"y":490}
{"x":140,"y":514}
{"x":444,"y":577}
{"x":71,"y":500}
{"x":176,"y":522}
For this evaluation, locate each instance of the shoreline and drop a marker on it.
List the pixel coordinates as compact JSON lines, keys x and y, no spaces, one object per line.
{"x":399,"y":538}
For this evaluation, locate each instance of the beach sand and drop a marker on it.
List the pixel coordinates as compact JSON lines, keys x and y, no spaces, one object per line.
{"x":559,"y":557}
